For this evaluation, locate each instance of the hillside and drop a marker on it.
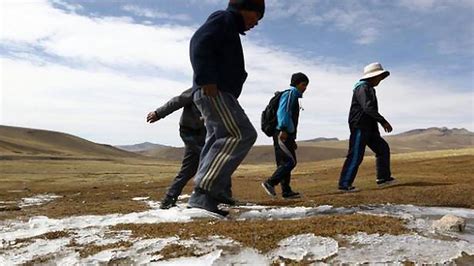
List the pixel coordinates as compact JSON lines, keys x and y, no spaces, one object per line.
{"x":142,"y":147}
{"x":329,"y":148}
{"x":17,"y":141}
{"x":428,"y":139}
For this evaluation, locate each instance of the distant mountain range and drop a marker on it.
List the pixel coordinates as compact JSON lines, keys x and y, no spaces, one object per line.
{"x":318,"y":149}
{"x":26,"y":142}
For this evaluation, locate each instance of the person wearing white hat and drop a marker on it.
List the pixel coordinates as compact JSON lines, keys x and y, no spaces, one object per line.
{"x":363,"y":123}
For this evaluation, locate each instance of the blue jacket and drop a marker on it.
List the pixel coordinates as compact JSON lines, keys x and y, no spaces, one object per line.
{"x":216,"y":52}
{"x":288,"y":111}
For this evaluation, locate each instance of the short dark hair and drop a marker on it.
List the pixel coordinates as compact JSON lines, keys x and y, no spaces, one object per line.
{"x":297,"y":78}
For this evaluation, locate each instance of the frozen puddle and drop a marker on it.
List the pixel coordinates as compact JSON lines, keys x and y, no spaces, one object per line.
{"x":423,"y":247}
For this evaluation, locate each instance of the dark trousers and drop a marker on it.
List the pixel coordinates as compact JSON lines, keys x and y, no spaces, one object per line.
{"x":357,"y":142}
{"x":285,"y":158}
{"x":193,"y":142}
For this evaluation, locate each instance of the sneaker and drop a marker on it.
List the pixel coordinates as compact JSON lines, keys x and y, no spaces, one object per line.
{"x":215,"y":214}
{"x":386,"y":182}
{"x":291,"y":195}
{"x":348,"y":189}
{"x":269,"y":189}
{"x":220,"y":198}
{"x":168,"y":202}
{"x":224,"y":199}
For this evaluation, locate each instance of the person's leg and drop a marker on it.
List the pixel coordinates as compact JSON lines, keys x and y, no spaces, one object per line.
{"x":236,"y":135}
{"x":354,"y":158}
{"x":233,"y":136}
{"x":382,"y":154}
{"x":286,"y":161}
{"x":193,"y":142}
{"x":286,"y":179}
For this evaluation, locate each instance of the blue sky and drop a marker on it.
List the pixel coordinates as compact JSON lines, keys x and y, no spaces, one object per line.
{"x":95,"y":68}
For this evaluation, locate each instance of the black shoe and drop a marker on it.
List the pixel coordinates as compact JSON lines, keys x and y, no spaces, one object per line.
{"x":220,"y":198}
{"x":348,"y":189}
{"x":269,"y":189}
{"x":291,"y":195}
{"x":386,"y":182}
{"x":168,"y":202}
{"x":214,"y":213}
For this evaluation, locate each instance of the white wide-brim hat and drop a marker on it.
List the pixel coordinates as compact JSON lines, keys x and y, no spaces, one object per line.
{"x":373,"y":70}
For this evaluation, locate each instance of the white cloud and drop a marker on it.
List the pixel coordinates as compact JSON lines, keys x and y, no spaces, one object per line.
{"x":109,"y":41}
{"x":106,"y":98}
{"x":349,"y":17}
{"x":432,"y":5}
{"x":149,"y":13}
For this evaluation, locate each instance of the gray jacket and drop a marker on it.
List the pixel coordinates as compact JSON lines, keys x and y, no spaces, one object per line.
{"x":190,"y":118}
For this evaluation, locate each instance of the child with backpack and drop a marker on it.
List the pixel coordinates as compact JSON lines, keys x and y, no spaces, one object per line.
{"x":280,"y":121}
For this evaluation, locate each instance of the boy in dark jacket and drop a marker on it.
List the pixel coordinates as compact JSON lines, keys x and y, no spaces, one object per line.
{"x":285,"y":136}
{"x":219,"y":74}
{"x":363,"y":123}
{"x":193,"y":134}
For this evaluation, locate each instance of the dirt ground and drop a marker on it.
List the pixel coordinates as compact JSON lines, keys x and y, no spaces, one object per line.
{"x":440,"y":178}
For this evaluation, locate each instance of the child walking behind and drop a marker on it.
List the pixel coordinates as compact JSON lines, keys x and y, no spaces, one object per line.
{"x":363,"y":119}
{"x":193,"y":134}
{"x":285,"y":136}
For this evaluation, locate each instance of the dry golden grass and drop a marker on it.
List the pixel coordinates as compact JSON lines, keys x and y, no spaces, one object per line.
{"x":439,"y":178}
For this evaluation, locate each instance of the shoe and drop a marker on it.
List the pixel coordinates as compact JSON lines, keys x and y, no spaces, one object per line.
{"x":269,"y":189}
{"x":168,"y":202}
{"x":291,"y":195}
{"x":220,"y":198}
{"x":215,"y":214}
{"x":348,"y":189}
{"x":386,"y":182}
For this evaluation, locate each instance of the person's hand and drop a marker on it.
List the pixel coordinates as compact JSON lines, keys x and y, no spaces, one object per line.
{"x":295,"y":146}
{"x":387,"y":127}
{"x":283,"y":136}
{"x":152,"y":117}
{"x":210,"y":90}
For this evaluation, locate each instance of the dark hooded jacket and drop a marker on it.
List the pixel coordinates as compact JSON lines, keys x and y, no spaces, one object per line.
{"x":190,"y":118}
{"x":364,"y":112}
{"x":216,"y":52}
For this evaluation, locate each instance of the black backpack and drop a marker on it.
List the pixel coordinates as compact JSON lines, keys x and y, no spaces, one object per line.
{"x":268,"y":119}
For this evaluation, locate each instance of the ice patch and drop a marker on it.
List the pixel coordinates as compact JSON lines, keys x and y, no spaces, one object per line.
{"x":37,"y":200}
{"x":256,"y":212}
{"x":38,"y":248}
{"x":183,"y":197}
{"x":204,"y":260}
{"x":307,"y":246}
{"x":246,"y":256}
{"x":374,"y":248}
{"x":424,"y":246}
{"x":40,"y":224}
{"x":140,"y":198}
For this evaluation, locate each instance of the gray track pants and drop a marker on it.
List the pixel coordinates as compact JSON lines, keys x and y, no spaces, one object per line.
{"x":230,"y":135}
